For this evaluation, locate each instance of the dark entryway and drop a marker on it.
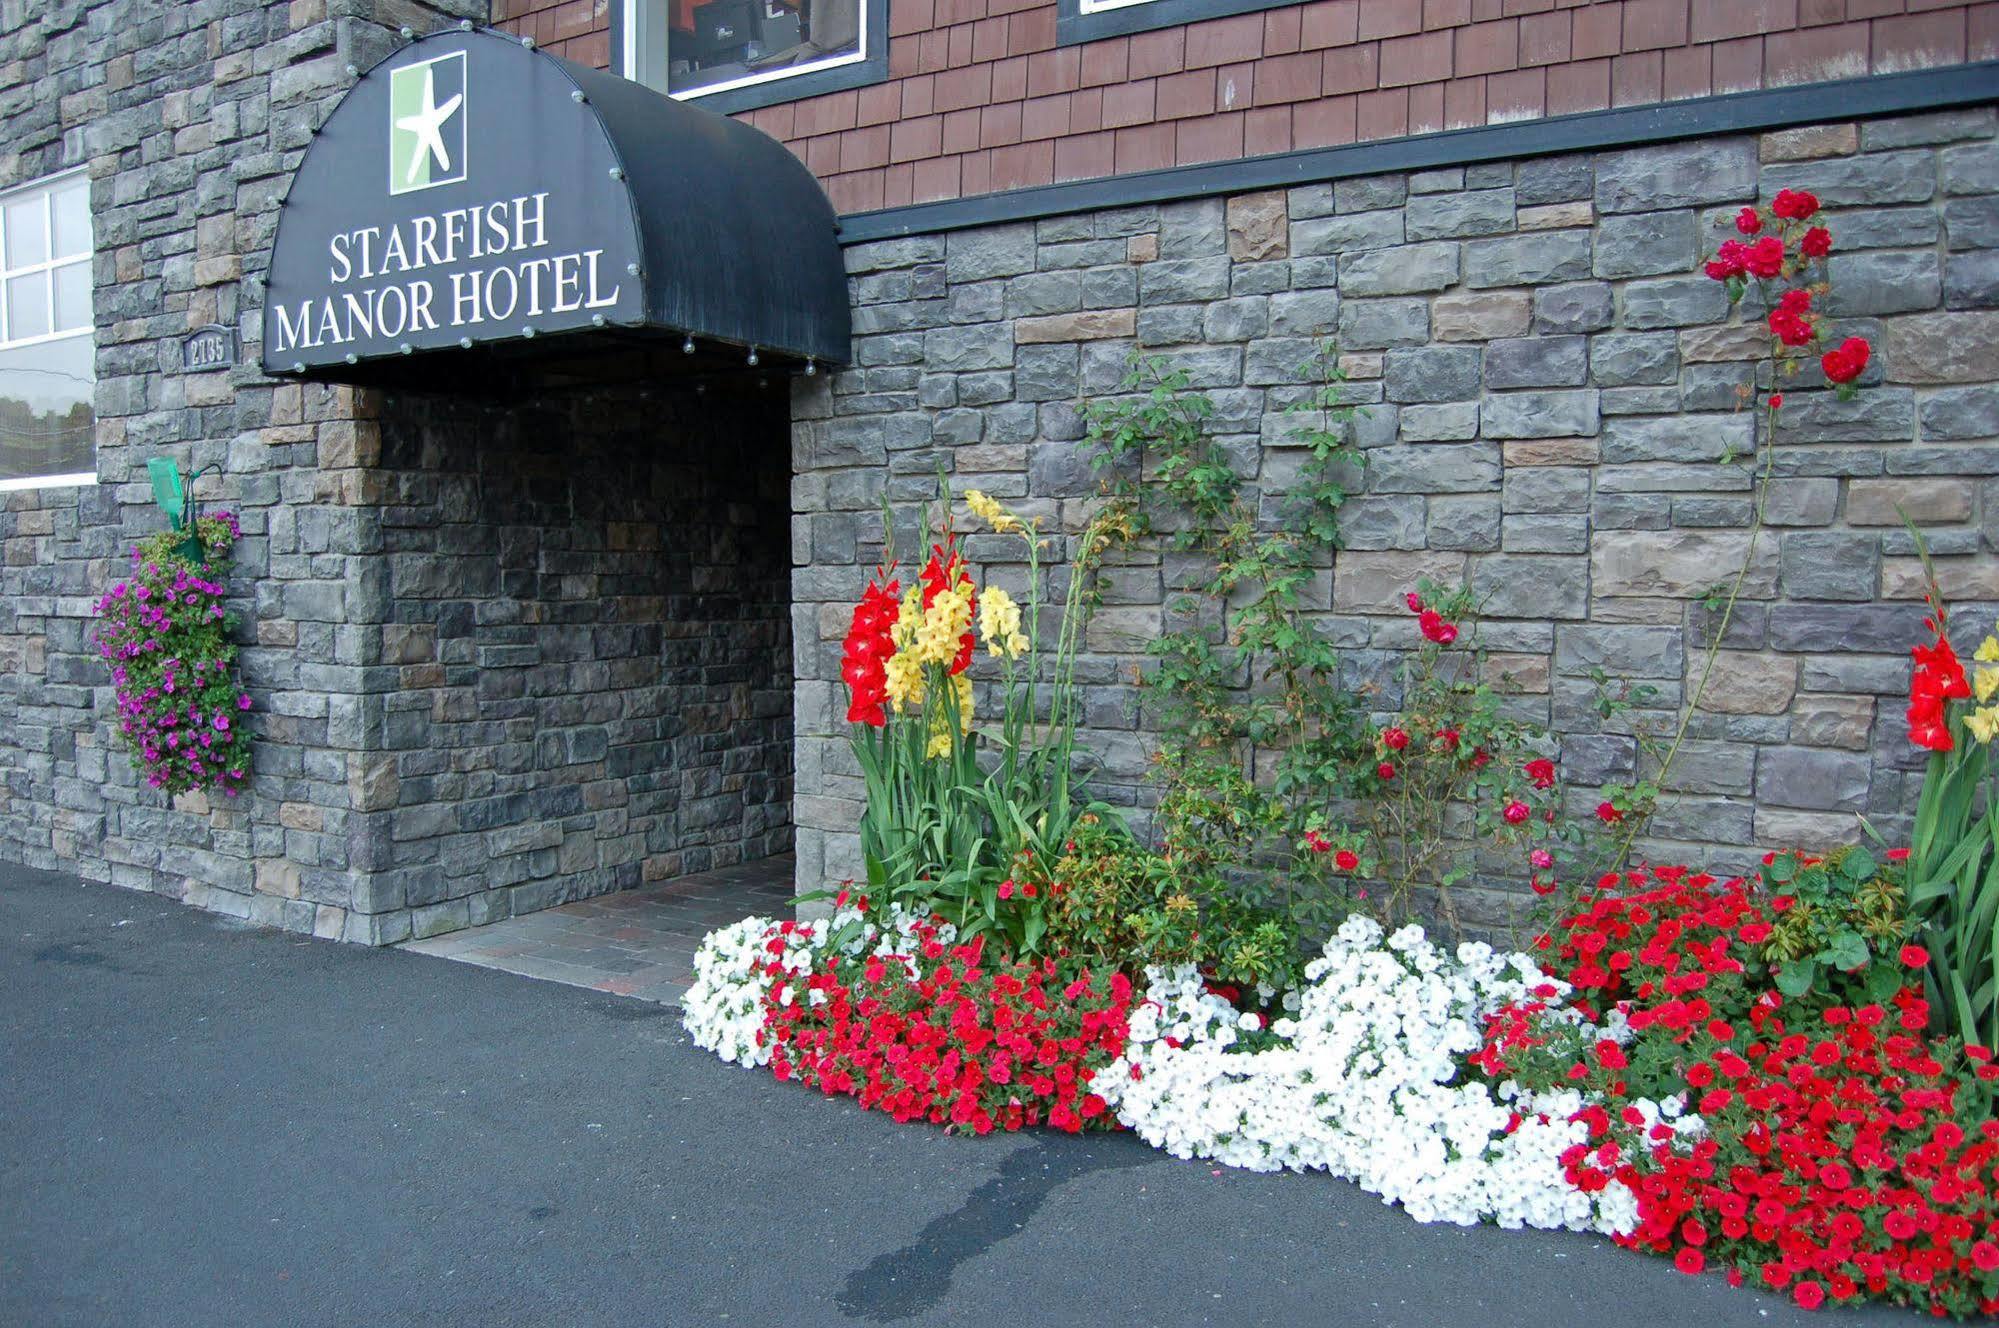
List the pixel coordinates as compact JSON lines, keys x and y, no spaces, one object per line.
{"x":586,"y":644}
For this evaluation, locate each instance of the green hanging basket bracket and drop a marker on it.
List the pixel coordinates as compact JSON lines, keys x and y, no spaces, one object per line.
{"x":176,"y":499}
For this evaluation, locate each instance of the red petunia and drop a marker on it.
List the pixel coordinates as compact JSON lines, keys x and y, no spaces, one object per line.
{"x":1914,"y":956}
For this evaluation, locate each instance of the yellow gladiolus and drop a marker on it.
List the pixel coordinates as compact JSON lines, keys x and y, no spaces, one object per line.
{"x":988,"y":510}
{"x":1983,"y":723}
{"x":1988,"y":651}
{"x":1985,"y":682}
{"x":940,"y":725}
{"x":999,"y":623}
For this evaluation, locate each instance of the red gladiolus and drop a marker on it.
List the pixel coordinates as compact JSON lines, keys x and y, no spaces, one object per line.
{"x":1847,"y":361}
{"x":1748,"y":221}
{"x":1541,"y":771}
{"x":1938,"y":679}
{"x":865,"y":654}
{"x":1817,"y":243}
{"x":1794,"y":204}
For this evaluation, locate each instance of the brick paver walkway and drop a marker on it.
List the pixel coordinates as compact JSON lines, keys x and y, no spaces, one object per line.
{"x":633,"y":943}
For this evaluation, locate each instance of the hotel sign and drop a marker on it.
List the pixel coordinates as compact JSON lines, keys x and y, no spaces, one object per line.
{"x":463,"y":192}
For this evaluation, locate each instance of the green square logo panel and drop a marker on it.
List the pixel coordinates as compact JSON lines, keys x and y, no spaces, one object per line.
{"x":427,"y":123}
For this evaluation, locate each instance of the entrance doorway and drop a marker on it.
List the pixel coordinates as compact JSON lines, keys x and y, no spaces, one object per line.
{"x":586,"y":644}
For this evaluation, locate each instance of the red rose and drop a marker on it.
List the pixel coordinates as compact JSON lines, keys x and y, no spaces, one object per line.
{"x":1607,"y":813}
{"x":1346,"y":860}
{"x":1789,"y":328}
{"x":1385,"y":770}
{"x":1748,"y":222}
{"x":1794,"y":204}
{"x":1414,"y":601}
{"x":1776,"y":400}
{"x":1434,"y":628}
{"x":1317,"y":842}
{"x":1765,"y":258}
{"x":1541,"y":771}
{"x":1447,"y":738}
{"x":1847,"y":361}
{"x":1729,"y":260}
{"x":1394,"y":739}
{"x":1515,"y":812}
{"x":1817,"y":243}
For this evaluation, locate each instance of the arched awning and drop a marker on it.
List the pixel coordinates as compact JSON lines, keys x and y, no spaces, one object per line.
{"x":472,"y":197}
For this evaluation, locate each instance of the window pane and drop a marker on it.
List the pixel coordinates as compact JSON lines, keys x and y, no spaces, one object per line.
{"x":718,"y":41}
{"x":27,"y":231}
{"x":27,"y":306}
{"x":45,"y":409}
{"x":72,"y":209}
{"x":72,"y":297}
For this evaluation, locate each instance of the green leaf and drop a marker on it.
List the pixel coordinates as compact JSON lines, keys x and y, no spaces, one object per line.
{"x":1858,"y":866}
{"x":1795,"y":979}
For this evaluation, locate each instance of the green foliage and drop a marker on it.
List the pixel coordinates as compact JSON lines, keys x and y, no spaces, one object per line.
{"x":1838,"y":941}
{"x":1256,"y":731}
{"x":1111,"y":901}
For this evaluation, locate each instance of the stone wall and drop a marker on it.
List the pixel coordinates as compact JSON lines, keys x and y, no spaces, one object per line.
{"x":498,"y":657}
{"x":1551,"y":387}
{"x":190,"y":118}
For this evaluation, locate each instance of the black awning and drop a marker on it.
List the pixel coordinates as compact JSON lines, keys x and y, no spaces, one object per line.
{"x":472,"y":194}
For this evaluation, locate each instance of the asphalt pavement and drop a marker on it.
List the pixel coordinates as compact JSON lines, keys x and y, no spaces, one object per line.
{"x":208,"y":1124}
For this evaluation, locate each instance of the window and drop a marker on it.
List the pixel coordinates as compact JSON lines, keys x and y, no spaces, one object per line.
{"x":1093,"y":20}
{"x":47,"y":352}
{"x":735,"y":55}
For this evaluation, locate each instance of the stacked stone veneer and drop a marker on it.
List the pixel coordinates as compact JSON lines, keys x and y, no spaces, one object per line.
{"x":1550,"y":388}
{"x":502,"y":655}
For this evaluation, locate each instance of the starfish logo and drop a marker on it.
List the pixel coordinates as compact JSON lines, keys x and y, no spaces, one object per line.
{"x":427,"y":123}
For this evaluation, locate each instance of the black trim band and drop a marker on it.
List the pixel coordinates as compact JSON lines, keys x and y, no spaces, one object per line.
{"x":1073,"y":27}
{"x":1732,"y":113}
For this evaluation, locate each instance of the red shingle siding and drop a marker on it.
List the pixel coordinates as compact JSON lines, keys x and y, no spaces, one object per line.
{"x":980,"y":98}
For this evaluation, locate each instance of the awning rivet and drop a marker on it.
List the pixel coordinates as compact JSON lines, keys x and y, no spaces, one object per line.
{"x":404,"y":347}
{"x":617,"y":172}
{"x":528,"y":42}
{"x":298,"y":366}
{"x":577,"y":96}
{"x":465,"y":25}
{"x":632,"y":269}
{"x":466,"y":342}
{"x":408,"y":34}
{"x":353,"y":71}
{"x":811,"y":368}
{"x":753,"y":357}
{"x":527,"y":329}
{"x":596,"y":320}
{"x":687,"y":346}
{"x":352,"y":358}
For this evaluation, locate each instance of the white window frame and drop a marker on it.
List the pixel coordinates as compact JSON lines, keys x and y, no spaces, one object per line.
{"x":644,"y":56}
{"x":46,"y":186}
